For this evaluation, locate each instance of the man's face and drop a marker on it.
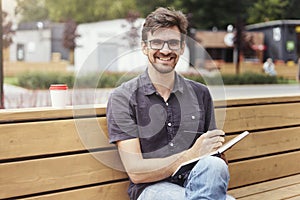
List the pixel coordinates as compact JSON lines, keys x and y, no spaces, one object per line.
{"x":163,"y":48}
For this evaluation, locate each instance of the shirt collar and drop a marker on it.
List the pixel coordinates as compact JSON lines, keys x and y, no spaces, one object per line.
{"x":149,"y":88}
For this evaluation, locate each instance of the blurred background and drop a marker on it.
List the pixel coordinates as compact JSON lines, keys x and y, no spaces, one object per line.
{"x":52,"y":41}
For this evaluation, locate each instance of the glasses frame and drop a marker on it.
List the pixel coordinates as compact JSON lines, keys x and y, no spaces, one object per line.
{"x":164,"y":42}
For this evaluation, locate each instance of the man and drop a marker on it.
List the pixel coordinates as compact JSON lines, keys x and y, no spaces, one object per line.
{"x":159,"y":120}
{"x":269,"y":67}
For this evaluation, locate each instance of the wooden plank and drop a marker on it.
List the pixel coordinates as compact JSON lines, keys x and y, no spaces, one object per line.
{"x":265,"y":186}
{"x":27,"y":114}
{"x":41,"y":175}
{"x":49,"y":137}
{"x":259,"y":117}
{"x":265,"y":142}
{"x":262,"y":169}
{"x":257,"y":100}
{"x":280,"y":193}
{"x":296,"y":197}
{"x":7,"y":115}
{"x":104,"y":192}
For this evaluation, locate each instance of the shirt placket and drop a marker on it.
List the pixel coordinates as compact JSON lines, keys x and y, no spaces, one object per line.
{"x":170,"y":126}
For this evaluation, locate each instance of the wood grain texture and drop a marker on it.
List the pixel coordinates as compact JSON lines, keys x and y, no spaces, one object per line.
{"x":42,"y":113}
{"x":113,"y":191}
{"x":45,"y":149}
{"x":50,"y":137}
{"x":40,"y":175}
{"x":265,"y":142}
{"x":263,"y":169}
{"x":284,"y":188}
{"x":259,"y":117}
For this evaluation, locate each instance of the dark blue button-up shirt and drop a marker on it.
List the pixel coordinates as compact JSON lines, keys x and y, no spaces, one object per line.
{"x":136,"y":110}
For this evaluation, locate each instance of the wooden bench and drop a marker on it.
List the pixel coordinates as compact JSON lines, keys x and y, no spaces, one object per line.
{"x":64,"y":154}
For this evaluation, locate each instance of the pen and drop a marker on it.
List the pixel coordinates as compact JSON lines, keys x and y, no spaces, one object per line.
{"x":196,"y":132}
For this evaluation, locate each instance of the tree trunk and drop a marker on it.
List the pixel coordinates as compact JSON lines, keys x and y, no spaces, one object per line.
{"x":71,"y":56}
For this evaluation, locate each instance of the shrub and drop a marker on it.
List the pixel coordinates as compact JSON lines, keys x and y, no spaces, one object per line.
{"x":41,"y":80}
{"x":232,"y":79}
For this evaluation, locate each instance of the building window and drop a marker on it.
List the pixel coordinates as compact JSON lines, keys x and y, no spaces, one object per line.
{"x":20,"y":52}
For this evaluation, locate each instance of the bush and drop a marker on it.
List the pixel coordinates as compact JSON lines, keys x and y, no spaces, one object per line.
{"x":43,"y":80}
{"x":242,"y":79}
{"x":40,"y":80}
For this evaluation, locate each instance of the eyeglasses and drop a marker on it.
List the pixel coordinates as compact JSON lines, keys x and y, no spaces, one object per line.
{"x":158,"y":44}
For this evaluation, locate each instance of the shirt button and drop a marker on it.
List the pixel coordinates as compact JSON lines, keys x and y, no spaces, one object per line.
{"x":169,"y":124}
{"x":171,"y":144}
{"x":167,"y":104}
{"x":193,"y":117}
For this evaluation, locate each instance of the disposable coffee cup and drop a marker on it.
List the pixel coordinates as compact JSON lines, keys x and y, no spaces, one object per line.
{"x":58,"y":93}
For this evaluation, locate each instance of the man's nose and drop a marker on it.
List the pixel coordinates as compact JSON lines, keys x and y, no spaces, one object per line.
{"x":165,"y":48}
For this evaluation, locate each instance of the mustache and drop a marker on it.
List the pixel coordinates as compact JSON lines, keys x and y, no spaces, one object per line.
{"x":158,"y":54}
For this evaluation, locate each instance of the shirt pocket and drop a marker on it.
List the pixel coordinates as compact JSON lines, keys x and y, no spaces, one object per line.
{"x":192,"y":122}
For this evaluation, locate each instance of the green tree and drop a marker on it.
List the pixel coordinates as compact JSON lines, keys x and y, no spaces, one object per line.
{"x":292,"y":10}
{"x":207,"y":14}
{"x":88,"y":10}
{"x":267,"y":10}
{"x":80,"y":11}
{"x":145,"y":6}
{"x":31,"y":10}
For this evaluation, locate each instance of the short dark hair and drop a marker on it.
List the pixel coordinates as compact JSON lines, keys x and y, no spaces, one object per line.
{"x":165,"y":18}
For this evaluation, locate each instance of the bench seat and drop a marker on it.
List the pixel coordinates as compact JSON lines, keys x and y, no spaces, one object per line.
{"x":64,"y":154}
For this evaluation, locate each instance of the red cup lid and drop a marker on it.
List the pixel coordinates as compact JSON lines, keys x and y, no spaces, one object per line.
{"x":58,"y":87}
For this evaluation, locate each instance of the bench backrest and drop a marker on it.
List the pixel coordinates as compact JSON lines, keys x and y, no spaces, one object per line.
{"x":271,"y":149}
{"x":65,"y":154}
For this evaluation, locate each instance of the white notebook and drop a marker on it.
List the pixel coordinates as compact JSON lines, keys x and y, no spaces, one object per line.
{"x":190,"y":164}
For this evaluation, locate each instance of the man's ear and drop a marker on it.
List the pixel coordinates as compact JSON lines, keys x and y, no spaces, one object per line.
{"x":144,"y":47}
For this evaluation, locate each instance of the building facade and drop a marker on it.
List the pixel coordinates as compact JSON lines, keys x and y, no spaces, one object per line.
{"x":282,"y":39}
{"x":37,"y":42}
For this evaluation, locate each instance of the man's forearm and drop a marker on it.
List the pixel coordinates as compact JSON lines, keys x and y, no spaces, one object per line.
{"x":154,"y":169}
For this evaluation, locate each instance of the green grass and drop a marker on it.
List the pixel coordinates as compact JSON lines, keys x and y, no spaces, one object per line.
{"x":11,"y":80}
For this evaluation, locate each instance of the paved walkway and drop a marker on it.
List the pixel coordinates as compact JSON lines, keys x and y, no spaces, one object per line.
{"x":251,"y":91}
{"x":16,"y":97}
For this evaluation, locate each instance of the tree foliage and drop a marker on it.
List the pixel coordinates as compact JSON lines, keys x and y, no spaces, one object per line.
{"x":267,"y":10}
{"x":31,"y":10}
{"x":292,"y":10}
{"x":7,"y":32}
{"x":203,"y":14}
{"x":207,"y":14}
{"x":145,"y":6}
{"x":88,"y":10}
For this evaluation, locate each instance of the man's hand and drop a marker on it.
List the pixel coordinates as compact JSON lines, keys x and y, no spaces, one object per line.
{"x":207,"y":143}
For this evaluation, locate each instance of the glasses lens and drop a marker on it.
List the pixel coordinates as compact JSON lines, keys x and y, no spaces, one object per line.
{"x":158,"y":44}
{"x":174,"y":44}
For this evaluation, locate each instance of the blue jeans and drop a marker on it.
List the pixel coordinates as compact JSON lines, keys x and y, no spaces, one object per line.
{"x":208,"y":180}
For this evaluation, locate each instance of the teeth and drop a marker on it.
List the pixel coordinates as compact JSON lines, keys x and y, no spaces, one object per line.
{"x":165,"y":59}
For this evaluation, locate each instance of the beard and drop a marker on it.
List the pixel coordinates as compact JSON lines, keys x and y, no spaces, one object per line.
{"x":164,"y":68}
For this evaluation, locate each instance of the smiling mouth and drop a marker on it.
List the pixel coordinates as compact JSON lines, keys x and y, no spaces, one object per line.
{"x":165,"y":59}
